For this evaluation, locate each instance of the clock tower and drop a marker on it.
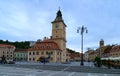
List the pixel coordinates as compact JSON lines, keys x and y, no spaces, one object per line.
{"x":59,"y":34}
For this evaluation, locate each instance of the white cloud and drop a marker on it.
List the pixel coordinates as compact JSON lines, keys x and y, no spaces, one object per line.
{"x":30,"y":20}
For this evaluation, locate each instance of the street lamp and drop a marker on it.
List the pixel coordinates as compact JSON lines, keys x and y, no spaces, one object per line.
{"x":81,"y":30}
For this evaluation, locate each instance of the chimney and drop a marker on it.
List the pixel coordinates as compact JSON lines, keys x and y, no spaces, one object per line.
{"x":44,"y":38}
{"x":50,"y":37}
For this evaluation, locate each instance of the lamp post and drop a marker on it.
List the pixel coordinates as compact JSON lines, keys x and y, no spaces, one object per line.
{"x":81,"y":30}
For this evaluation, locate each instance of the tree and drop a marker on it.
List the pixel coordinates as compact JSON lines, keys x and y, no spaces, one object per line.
{"x":19,"y":45}
{"x":70,"y":50}
{"x":97,"y":61}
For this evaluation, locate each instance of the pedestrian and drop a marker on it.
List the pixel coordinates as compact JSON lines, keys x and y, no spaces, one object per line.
{"x":109,"y":66}
{"x":44,"y":61}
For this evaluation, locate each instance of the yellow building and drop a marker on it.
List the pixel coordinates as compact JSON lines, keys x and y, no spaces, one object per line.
{"x":44,"y":49}
{"x":92,"y":56}
{"x":7,"y":51}
{"x":87,"y":53}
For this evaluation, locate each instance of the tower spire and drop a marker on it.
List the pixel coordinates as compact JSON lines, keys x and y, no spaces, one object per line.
{"x":58,"y":16}
{"x":59,"y":7}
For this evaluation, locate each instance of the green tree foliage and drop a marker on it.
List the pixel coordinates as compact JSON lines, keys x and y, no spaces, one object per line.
{"x":70,"y":50}
{"x":19,"y":45}
{"x":98,"y":60}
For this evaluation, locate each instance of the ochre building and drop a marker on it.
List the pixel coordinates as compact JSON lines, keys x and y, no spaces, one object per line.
{"x":44,"y":49}
{"x":53,"y":48}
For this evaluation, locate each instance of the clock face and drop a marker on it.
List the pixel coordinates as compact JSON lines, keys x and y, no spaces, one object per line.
{"x":56,"y":26}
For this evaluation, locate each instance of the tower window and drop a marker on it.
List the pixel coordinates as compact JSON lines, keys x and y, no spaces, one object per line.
{"x":56,"y":26}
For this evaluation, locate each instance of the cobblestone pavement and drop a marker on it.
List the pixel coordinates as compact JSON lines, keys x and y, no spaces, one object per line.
{"x":55,"y":69}
{"x":15,"y":71}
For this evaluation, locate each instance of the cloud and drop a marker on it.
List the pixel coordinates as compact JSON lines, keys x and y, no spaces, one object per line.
{"x":31,"y":19}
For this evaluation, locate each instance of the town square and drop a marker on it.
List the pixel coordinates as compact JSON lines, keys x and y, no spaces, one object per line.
{"x":59,"y":38}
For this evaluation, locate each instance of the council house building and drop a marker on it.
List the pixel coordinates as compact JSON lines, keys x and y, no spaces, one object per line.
{"x":53,"y":48}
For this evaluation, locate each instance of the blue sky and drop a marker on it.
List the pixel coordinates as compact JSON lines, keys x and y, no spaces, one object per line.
{"x":27,"y":20}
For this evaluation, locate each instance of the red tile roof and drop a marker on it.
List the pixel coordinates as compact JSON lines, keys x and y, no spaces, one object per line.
{"x":107,"y":50}
{"x":45,"y":45}
{"x":92,"y":53}
{"x":115,"y":48}
{"x":73,"y":55}
{"x":8,"y":46}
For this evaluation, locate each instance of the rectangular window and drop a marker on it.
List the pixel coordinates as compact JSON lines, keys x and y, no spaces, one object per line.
{"x":29,"y":59}
{"x":33,"y":59}
{"x":29,"y":53}
{"x":46,"y":53}
{"x":42,"y":53}
{"x":57,"y":53}
{"x":37,"y":53}
{"x":51,"y":53}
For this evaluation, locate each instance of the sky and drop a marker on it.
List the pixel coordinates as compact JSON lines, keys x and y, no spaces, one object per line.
{"x":30,"y":20}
